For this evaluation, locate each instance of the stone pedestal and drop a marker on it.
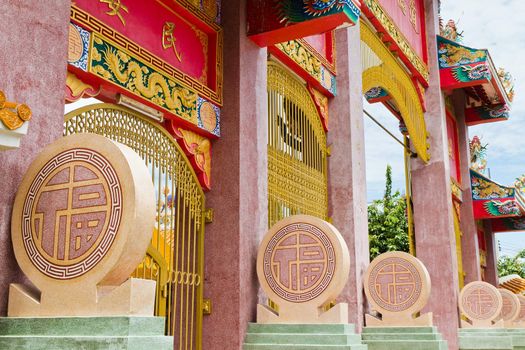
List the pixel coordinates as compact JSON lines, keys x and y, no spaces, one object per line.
{"x":93,"y":333}
{"x":401,"y":338}
{"x":485,"y":339}
{"x":302,"y":337}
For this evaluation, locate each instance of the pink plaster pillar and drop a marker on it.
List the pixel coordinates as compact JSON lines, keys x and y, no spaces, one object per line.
{"x":239,"y":193}
{"x":33,"y":59}
{"x":433,"y":220}
{"x":469,"y":240}
{"x":491,"y":271}
{"x":346,"y":166}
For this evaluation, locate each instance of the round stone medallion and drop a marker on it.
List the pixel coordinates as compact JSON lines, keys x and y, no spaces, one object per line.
{"x":75,"y":213}
{"x":302,"y":259}
{"x":480,"y":301}
{"x":71,"y":213}
{"x":397,"y":282}
{"x":510,"y":308}
{"x":521,"y":313}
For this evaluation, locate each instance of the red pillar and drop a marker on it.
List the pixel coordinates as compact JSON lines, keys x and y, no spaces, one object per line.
{"x":433,"y":220}
{"x":239,"y":193}
{"x":33,"y":63}
{"x":469,"y":240}
{"x":346,"y":167}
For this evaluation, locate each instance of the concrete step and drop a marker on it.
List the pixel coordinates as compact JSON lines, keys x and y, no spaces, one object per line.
{"x":82,"y":326}
{"x":406,"y":344}
{"x":302,"y":339}
{"x":85,"y":343}
{"x":302,"y":328}
{"x":302,"y":347}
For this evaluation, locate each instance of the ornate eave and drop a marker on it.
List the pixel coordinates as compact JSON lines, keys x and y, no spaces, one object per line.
{"x":493,"y":201}
{"x":271,"y":22}
{"x":473,"y":70}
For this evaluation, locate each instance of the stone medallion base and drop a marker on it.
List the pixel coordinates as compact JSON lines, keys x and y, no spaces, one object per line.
{"x":485,"y":339}
{"x":89,"y":333}
{"x":302,"y":337}
{"x":402,"y":338}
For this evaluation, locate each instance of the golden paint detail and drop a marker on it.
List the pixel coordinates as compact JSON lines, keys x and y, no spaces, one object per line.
{"x":169,"y":40}
{"x":78,"y":88}
{"x":413,"y":15}
{"x":321,"y":101}
{"x":456,"y":190}
{"x":13,"y":115}
{"x":459,"y":253}
{"x":402,"y":5}
{"x":297,"y":152}
{"x":398,"y":37}
{"x":200,"y":147}
{"x":116,"y":66}
{"x":303,"y":57}
{"x":381,"y":69}
{"x":175,"y":258}
{"x":203,"y":38}
{"x":132,"y":49}
{"x":115,"y":6}
{"x":318,"y":55}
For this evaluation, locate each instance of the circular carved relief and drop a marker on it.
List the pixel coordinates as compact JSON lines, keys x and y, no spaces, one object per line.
{"x":480,"y":301}
{"x":301,"y":259}
{"x":71,"y":213}
{"x":75,"y":221}
{"x":75,"y":45}
{"x":208,"y":116}
{"x":521,"y":313}
{"x":397,"y":282}
{"x":510,"y":308}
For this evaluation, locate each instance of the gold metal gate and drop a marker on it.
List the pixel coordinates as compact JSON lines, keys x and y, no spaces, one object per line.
{"x":175,"y":256}
{"x":297,"y":152}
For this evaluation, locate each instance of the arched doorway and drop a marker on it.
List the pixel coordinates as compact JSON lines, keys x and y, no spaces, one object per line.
{"x":176,"y":254}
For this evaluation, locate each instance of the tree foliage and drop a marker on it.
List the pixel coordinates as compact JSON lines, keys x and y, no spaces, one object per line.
{"x":387,"y":221}
{"x":515,"y":265}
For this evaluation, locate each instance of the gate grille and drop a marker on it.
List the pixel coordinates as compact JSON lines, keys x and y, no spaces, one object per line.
{"x":297,"y":152}
{"x":175,"y":256}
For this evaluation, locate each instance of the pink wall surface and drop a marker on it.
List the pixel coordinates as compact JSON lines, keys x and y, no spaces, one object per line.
{"x":346,"y":167}
{"x":32,"y":71}
{"x":469,"y":240}
{"x":239,"y":195}
{"x":434,"y":227}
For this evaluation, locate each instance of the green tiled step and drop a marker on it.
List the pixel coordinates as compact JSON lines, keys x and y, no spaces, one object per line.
{"x":84,"y":333}
{"x":302,"y":328}
{"x":291,"y":338}
{"x":79,"y":326}
{"x":85,"y":343}
{"x":403,"y":338}
{"x":485,"y":339}
{"x":518,"y":338}
{"x":302,"y":347}
{"x":302,"y":337}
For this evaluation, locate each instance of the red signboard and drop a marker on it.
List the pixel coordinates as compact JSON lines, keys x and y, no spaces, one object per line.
{"x":402,"y":25}
{"x":408,"y":16}
{"x":167,"y":31}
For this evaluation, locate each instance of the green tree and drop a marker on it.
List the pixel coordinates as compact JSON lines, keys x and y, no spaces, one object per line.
{"x":387,"y":221}
{"x":508,"y":265}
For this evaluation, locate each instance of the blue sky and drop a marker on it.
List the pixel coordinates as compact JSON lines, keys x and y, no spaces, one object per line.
{"x":500,"y":28}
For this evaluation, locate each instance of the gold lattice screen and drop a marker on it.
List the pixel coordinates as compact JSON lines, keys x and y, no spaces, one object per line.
{"x":297,"y":152}
{"x":175,"y":256}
